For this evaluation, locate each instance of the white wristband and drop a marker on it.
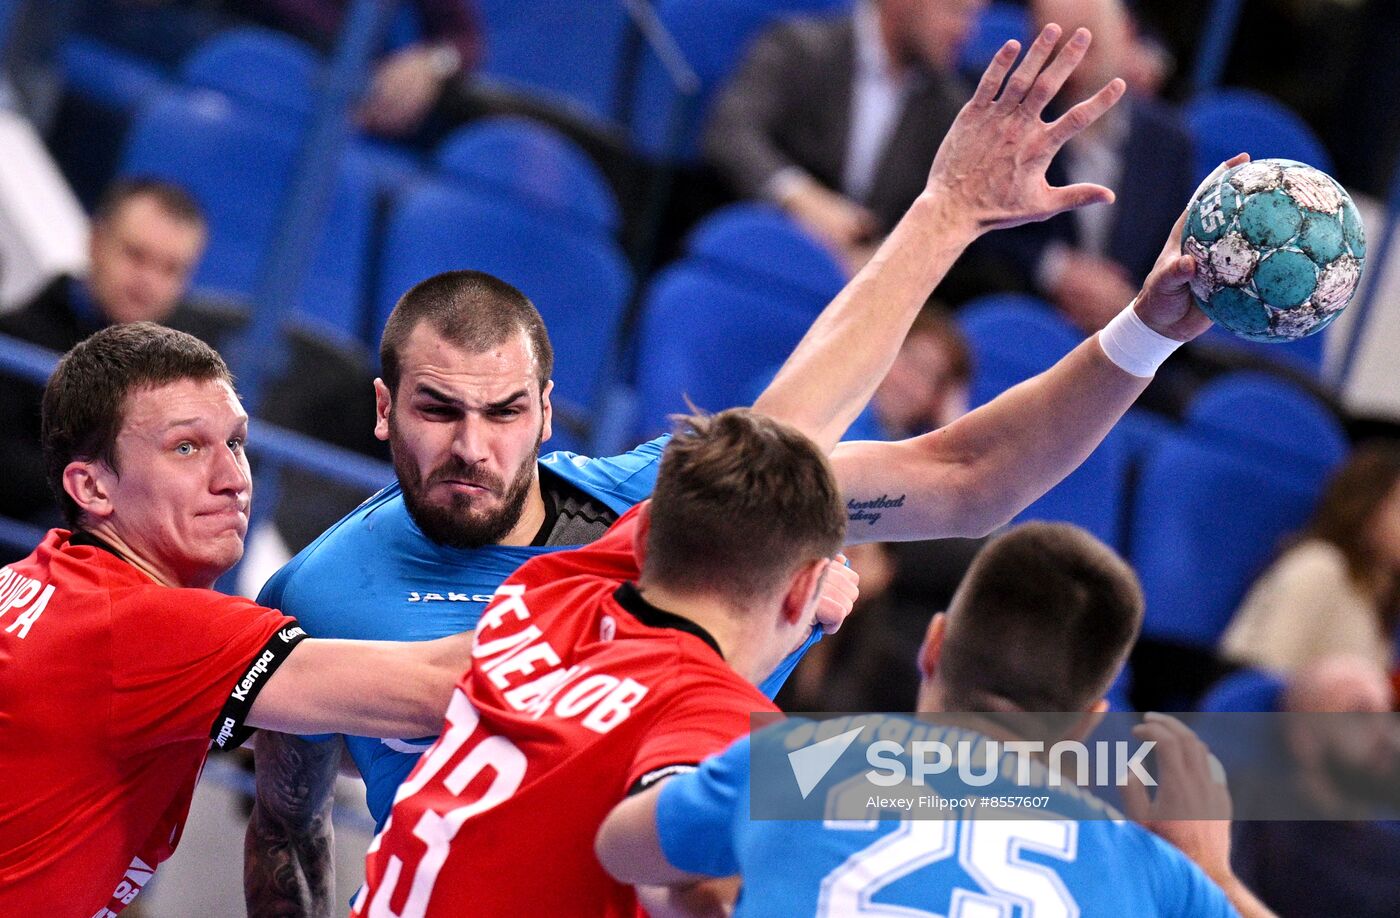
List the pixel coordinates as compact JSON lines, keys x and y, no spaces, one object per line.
{"x":1134,"y":347}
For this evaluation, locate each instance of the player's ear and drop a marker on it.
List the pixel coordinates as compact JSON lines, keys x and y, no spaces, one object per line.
{"x":804,"y":589}
{"x":89,"y":483}
{"x":547,"y":410}
{"x":932,"y":648}
{"x":383,"y":404}
{"x":640,"y":533}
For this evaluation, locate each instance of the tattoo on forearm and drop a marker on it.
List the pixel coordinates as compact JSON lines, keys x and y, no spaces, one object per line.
{"x":288,"y":852}
{"x":870,"y":511}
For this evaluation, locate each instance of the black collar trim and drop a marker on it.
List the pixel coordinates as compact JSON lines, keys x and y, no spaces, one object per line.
{"x":83,"y":537}
{"x":631,"y":599}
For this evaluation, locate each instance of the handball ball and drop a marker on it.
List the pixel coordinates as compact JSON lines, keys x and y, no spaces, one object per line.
{"x":1279,"y":249}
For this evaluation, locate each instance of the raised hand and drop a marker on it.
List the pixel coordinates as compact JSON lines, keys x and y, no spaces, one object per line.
{"x":991,"y":166}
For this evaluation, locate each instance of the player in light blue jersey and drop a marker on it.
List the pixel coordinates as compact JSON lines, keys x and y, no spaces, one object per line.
{"x":464,"y":403}
{"x":1043,"y":622}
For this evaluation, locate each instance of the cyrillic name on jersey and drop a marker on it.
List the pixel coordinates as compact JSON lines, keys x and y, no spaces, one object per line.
{"x":532,"y":678}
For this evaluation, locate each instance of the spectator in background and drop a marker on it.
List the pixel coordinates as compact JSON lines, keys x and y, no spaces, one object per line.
{"x":927,"y":385}
{"x":406,"y":83}
{"x":1336,"y":591}
{"x":147,"y":239}
{"x":1327,"y":866}
{"x":838,"y":119}
{"x":1091,"y":262}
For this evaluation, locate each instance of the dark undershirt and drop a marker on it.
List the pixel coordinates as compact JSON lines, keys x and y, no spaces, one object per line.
{"x":571,"y":517}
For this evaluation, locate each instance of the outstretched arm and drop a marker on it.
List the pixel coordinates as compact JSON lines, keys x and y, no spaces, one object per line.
{"x":289,"y":848}
{"x":980,"y":471}
{"x":989,"y":173}
{"x":363,"y":688}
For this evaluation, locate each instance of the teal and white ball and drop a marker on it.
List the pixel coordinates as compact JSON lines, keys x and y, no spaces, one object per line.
{"x":1279,"y":249}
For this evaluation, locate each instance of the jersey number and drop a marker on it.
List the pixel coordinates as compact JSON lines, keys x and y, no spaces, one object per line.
{"x":989,"y":850}
{"x":436,"y":830}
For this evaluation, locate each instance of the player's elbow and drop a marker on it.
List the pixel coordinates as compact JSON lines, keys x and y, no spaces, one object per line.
{"x":613,"y":851}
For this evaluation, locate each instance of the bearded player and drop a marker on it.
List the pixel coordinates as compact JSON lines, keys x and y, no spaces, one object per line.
{"x":465,"y":403}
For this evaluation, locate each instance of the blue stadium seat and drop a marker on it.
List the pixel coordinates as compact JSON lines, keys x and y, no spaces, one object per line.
{"x":1264,"y":416}
{"x":566,"y":52}
{"x":759,"y":240}
{"x":1013,"y":337}
{"x":258,"y":68}
{"x":713,"y":36}
{"x":709,"y":335}
{"x":110,"y":77}
{"x":1206,"y":521}
{"x":238,"y":164}
{"x":534,"y":164}
{"x":1305,"y":355}
{"x":1245,"y":690}
{"x":580,"y":282}
{"x":1229,"y":121}
{"x":998,"y":22}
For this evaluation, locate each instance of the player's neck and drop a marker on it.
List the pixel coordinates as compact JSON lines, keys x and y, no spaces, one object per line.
{"x":531,"y":516}
{"x":729,"y":627}
{"x":133,"y":556}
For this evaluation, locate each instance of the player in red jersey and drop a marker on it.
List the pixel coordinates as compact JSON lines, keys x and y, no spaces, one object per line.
{"x":118,"y":664}
{"x":607,"y":668}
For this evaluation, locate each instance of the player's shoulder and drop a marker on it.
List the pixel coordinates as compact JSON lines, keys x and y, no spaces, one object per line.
{"x":618,"y":481}
{"x":351,"y":540}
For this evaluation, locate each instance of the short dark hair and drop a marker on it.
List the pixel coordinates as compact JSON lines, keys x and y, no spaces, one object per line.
{"x":471,"y":309}
{"x":85,"y":398}
{"x":1042,"y":621}
{"x":741,"y":501}
{"x":174,"y":200}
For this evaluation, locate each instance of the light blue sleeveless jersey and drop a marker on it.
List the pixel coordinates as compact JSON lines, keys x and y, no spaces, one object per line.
{"x":375,"y":576}
{"x":958,"y":868}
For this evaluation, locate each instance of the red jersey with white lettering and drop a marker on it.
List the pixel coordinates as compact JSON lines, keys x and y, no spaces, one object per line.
{"x":579,"y":689}
{"x":109,"y":686}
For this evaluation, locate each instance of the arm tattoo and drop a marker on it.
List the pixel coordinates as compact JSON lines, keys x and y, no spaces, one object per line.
{"x":289,"y":849}
{"x":870,"y":511}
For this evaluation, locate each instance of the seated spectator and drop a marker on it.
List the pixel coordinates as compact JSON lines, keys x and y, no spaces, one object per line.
{"x":1091,"y":262}
{"x":405,"y":85}
{"x":927,"y":385}
{"x":1336,"y":590}
{"x":838,"y":119}
{"x":1326,"y":866}
{"x":147,"y":237}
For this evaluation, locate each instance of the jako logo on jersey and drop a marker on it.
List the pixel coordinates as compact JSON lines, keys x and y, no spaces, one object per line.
{"x":18,"y":591}
{"x":415,"y":596}
{"x":255,"y":672}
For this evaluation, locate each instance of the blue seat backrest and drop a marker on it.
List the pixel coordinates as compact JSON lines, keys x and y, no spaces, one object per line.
{"x":1245,"y":690}
{"x":1207,"y":519}
{"x":580,"y":282}
{"x":1012,"y":337}
{"x":257,"y":67}
{"x":998,"y":22}
{"x":707,"y":336}
{"x":534,"y":164}
{"x":1267,"y":417}
{"x":238,"y":164}
{"x":1229,"y":121}
{"x":713,"y":37}
{"x":761,"y":241}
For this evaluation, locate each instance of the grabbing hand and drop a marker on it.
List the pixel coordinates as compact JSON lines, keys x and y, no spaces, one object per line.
{"x":1165,"y":304}
{"x":990,"y":169}
{"x":1192,"y":806}
{"x":838,"y":594}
